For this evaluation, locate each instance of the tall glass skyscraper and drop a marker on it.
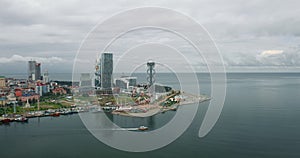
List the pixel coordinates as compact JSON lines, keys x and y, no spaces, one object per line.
{"x":31,"y":70}
{"x":38,"y":75}
{"x":34,"y":70}
{"x":106,"y":66}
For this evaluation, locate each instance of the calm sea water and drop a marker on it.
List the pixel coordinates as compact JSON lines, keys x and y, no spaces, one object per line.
{"x":260,"y":118}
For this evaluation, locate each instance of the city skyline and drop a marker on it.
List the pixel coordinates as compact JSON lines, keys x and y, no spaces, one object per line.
{"x":34,"y":70}
{"x":160,"y":78}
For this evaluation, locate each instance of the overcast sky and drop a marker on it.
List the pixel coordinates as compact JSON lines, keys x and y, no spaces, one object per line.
{"x":251,"y":35}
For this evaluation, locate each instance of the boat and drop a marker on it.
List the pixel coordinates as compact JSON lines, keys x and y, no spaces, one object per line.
{"x":109,"y":109}
{"x":65,"y":112}
{"x":143,"y":128}
{"x":39,"y":114}
{"x":21,"y":119}
{"x":30,"y":115}
{"x":56,"y":114}
{"x":96,"y":109}
{"x":74,"y":111}
{"x":5,"y":121}
{"x":173,"y":109}
{"x":122,"y":109}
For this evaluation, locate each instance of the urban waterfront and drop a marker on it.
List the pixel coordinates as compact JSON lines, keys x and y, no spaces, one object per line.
{"x":260,"y":118}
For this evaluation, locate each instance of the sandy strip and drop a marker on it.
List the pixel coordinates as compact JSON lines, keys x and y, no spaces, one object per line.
{"x":157,"y":109}
{"x":145,"y":114}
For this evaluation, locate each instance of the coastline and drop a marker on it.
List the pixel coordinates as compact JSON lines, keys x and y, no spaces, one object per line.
{"x":156,"y":109}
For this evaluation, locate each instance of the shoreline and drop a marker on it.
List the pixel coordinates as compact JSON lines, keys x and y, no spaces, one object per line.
{"x":156,"y":109}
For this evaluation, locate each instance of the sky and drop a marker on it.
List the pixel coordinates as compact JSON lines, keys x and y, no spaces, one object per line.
{"x":256,"y":35}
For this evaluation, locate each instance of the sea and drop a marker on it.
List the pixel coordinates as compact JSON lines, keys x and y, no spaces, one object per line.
{"x":260,"y":118}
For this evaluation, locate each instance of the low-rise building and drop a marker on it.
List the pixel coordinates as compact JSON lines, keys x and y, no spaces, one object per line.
{"x":42,"y":88}
{"x":24,"y":98}
{"x":2,"y":82}
{"x":125,"y":82}
{"x":3,"y":101}
{"x":59,"y":90}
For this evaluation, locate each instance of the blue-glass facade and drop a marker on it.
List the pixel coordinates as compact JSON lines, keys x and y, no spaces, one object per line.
{"x":106,"y":66}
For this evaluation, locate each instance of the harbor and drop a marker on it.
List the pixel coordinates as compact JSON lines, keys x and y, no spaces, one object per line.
{"x":8,"y":118}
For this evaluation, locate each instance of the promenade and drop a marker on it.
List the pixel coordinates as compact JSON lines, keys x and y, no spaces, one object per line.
{"x":152,"y":110}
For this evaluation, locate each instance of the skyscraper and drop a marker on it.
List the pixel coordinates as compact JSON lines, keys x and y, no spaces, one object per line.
{"x":38,"y":71}
{"x":46,"y":77}
{"x":98,"y":74}
{"x":85,"y":83}
{"x":31,"y":70}
{"x":106,"y":70}
{"x":34,"y":70}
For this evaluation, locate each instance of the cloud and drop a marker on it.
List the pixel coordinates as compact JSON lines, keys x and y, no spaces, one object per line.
{"x":19,"y":58}
{"x":265,"y":59}
{"x":290,"y":57}
{"x":43,"y":28}
{"x":272,"y":58}
{"x":268,"y":53}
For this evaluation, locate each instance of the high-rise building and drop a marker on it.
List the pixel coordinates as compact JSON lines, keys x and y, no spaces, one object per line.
{"x":106,"y":66}
{"x":42,"y":88}
{"x":98,"y":74}
{"x":38,"y":71}
{"x":85,"y":80}
{"x":85,"y":83}
{"x":46,"y":77}
{"x":31,"y":70}
{"x":34,"y":70}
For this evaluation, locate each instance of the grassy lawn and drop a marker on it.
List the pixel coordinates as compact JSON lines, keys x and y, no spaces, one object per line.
{"x":49,"y":101}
